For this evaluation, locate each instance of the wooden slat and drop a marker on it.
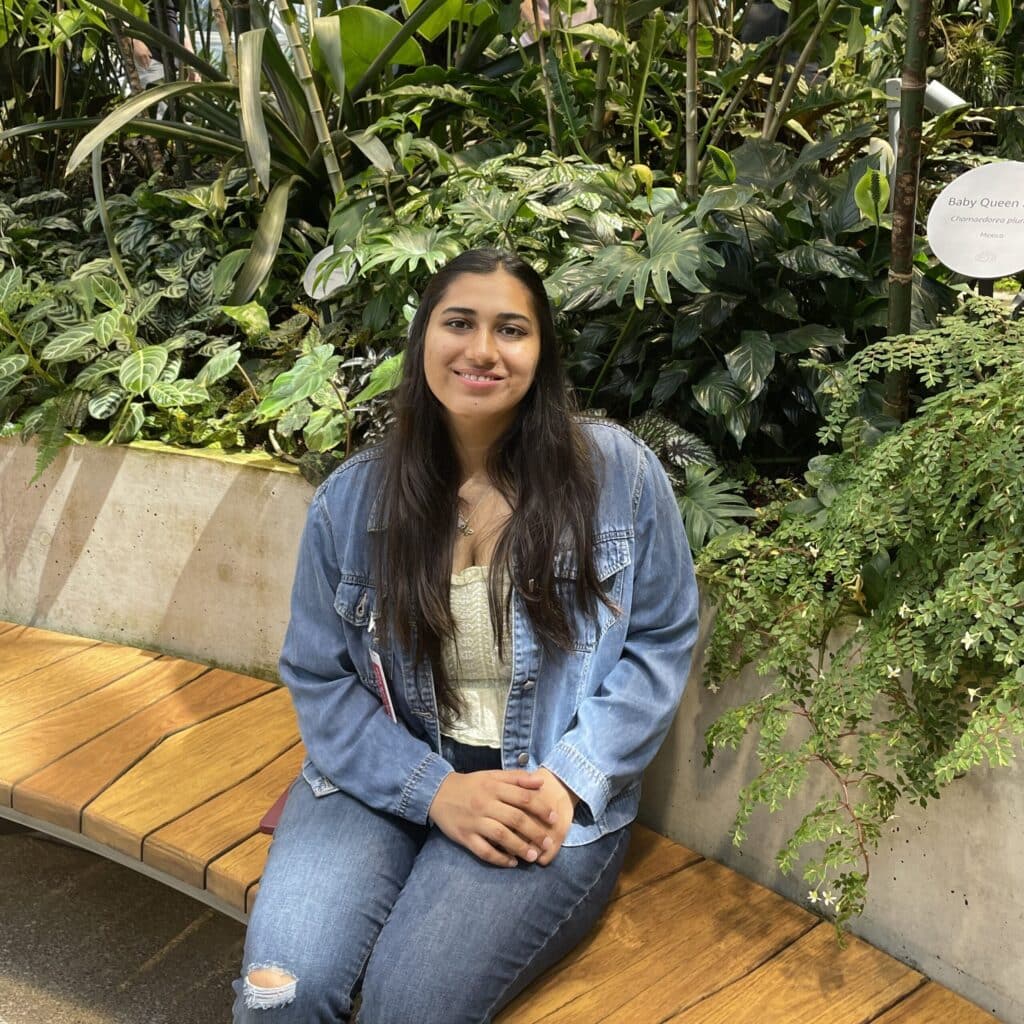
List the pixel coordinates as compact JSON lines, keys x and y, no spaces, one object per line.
{"x":36,"y":693}
{"x":811,"y":982}
{"x":933,"y":1004}
{"x":185,"y":847}
{"x":230,"y":876}
{"x":651,"y":857}
{"x":31,"y":746}
{"x":218,"y":754}
{"x":26,"y":649}
{"x":59,"y":792}
{"x":7,"y":626}
{"x":665,"y":946}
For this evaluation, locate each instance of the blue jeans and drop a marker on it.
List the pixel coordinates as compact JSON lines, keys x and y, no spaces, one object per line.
{"x":434,"y":935}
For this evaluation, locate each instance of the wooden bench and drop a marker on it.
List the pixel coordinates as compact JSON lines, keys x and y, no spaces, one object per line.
{"x":167,"y":766}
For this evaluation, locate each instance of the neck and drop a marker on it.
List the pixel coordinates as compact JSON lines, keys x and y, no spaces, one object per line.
{"x":473,"y":440}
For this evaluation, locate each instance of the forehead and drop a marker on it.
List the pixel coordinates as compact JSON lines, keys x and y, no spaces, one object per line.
{"x":488,"y":294}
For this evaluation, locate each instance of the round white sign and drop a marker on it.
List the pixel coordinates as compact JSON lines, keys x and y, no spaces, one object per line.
{"x":976,"y":225}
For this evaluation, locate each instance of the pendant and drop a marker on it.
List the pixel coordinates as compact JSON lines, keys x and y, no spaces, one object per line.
{"x":463,"y":527}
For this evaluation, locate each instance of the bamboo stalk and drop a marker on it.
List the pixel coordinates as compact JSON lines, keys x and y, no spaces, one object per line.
{"x":691,"y":100}
{"x":600,"y":82}
{"x":225,"y":39}
{"x":895,"y":397}
{"x":304,"y":73}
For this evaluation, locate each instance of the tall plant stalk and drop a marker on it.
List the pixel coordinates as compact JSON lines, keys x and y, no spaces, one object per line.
{"x":304,"y":73}
{"x":904,"y":203}
{"x":604,"y":63}
{"x":691,"y":100}
{"x":225,"y":39}
{"x":772,"y":130}
{"x":545,"y":83}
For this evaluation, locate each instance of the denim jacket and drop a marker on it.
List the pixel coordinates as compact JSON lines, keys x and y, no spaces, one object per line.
{"x":594,"y":715}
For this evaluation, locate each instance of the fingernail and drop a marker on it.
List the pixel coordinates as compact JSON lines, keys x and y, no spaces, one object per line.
{"x":552,"y":816}
{"x":512,"y":862}
{"x":532,"y":854}
{"x":547,"y":843}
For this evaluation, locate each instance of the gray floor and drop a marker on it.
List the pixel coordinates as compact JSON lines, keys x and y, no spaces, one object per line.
{"x":85,"y":941}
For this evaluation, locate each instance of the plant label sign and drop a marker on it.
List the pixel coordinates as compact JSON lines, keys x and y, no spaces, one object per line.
{"x":976,"y":225}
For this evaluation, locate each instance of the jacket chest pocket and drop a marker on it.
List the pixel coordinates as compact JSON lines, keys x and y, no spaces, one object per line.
{"x":612,"y":556}
{"x":355,"y":601}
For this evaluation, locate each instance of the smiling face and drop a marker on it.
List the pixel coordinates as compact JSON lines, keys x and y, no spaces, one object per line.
{"x":481,"y":349}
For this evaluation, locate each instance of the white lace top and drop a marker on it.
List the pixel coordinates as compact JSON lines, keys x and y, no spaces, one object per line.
{"x":471,"y":662}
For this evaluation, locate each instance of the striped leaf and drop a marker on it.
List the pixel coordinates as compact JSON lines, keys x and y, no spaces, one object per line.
{"x":106,"y":289}
{"x":12,"y":365}
{"x":96,"y":371}
{"x":265,"y":243}
{"x":132,"y":424}
{"x":68,"y":345}
{"x":106,"y":401}
{"x":105,"y":326}
{"x":142,"y":368}
{"x":178,"y":393}
{"x":9,"y":284}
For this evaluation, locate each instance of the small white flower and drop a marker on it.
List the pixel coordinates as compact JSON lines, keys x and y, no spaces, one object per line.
{"x":968,"y":640}
{"x":714,"y":687}
{"x":893,"y":671}
{"x":812,"y":895}
{"x":904,"y":611}
{"x":973,"y":692}
{"x":828,"y":898}
{"x":813,"y":550}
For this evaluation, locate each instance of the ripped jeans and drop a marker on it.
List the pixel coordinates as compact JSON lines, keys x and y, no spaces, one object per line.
{"x":354,"y":897}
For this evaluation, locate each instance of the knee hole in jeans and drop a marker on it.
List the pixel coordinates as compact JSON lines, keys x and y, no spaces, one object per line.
{"x":268,"y":985}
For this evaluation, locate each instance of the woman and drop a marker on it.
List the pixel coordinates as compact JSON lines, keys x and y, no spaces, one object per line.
{"x":463,"y":813}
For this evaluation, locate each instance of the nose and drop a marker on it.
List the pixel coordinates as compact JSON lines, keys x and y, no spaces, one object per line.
{"x":481,"y":347}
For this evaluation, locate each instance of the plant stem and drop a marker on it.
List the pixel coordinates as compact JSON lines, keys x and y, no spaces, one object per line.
{"x":691,"y":101}
{"x":798,"y":70}
{"x":611,"y":355}
{"x":225,"y":39}
{"x":895,"y":398}
{"x":304,"y":73}
{"x":545,"y":84}
{"x":600,"y":84}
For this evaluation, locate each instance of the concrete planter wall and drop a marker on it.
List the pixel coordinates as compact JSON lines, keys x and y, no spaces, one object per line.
{"x":195,"y":557}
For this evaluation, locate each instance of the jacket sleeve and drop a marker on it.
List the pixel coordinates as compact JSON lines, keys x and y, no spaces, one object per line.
{"x":618,"y":730}
{"x":346,"y":731}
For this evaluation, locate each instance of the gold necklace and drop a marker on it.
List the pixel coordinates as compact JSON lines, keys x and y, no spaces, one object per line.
{"x":463,"y":521}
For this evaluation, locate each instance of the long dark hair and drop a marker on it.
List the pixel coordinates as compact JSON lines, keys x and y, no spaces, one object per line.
{"x":543,"y":466}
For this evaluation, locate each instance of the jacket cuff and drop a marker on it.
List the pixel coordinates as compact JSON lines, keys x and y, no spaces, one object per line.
{"x":581,"y":776}
{"x":419,"y":791}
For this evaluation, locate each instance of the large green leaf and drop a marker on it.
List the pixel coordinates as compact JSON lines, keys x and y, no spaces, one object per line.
{"x":808,"y":336}
{"x":326,"y":50}
{"x":178,"y":393}
{"x":820,"y":258}
{"x":106,"y":401}
{"x":68,"y":345}
{"x":12,"y":365}
{"x":140,"y":369}
{"x":717,"y":392}
{"x":671,"y":251}
{"x":219,"y":365}
{"x":1004,"y":12}
{"x":751,"y":361}
{"x":308,"y":375}
{"x":710,"y":506}
{"x":265,"y":242}
{"x":254,"y":128}
{"x":324,"y":430}
{"x":366,"y":32}
{"x":450,"y":11}
{"x":385,"y":377}
{"x":132,"y":108}
{"x":10,"y":282}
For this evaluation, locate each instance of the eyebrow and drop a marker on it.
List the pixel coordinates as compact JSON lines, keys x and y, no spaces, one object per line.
{"x":465,"y":311}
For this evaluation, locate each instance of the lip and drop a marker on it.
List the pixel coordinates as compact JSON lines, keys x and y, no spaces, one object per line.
{"x":476,"y":385}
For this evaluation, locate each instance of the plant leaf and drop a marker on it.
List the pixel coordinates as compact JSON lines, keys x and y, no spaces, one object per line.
{"x":140,"y":369}
{"x":220,"y":365}
{"x":67,"y":346}
{"x":872,"y":195}
{"x":265,"y":242}
{"x":384,"y":377}
{"x":717,"y":393}
{"x":309,"y":374}
{"x":751,"y":361}
{"x":178,"y":393}
{"x":254,"y":128}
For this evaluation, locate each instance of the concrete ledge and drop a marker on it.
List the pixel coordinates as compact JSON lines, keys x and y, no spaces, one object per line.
{"x":195,"y":557}
{"x":187,"y":555}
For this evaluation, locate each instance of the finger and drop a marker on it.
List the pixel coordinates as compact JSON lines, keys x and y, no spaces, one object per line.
{"x":512,"y":843}
{"x":537,"y":805}
{"x":528,"y":780}
{"x":528,"y":829}
{"x":479,"y":846}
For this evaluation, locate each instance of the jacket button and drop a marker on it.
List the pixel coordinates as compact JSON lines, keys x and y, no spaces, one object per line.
{"x":529,"y":685}
{"x":523,"y":759}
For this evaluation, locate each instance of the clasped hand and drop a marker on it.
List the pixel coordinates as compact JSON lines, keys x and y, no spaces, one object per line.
{"x":505,"y":816}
